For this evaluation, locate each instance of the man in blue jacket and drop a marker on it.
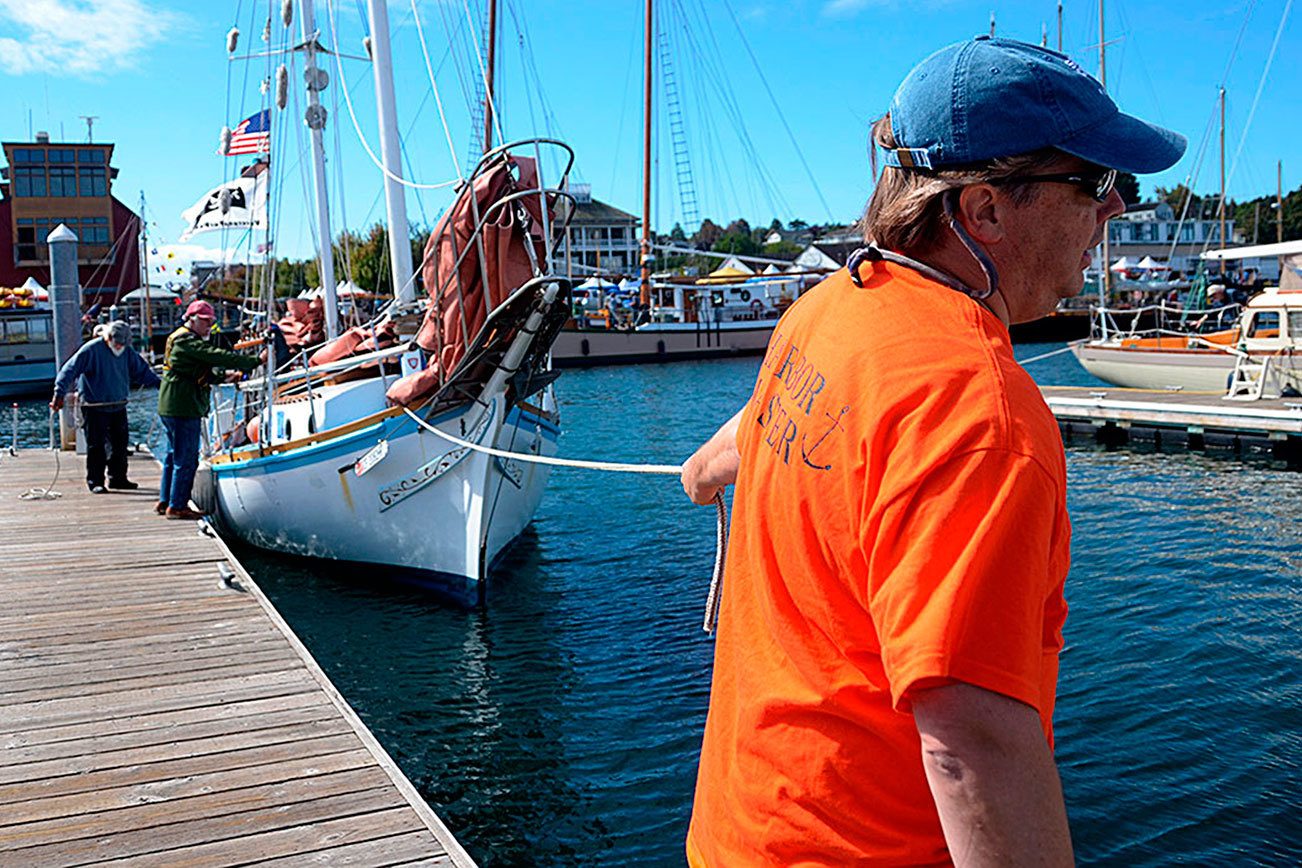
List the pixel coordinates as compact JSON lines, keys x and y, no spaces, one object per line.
{"x":102,"y":373}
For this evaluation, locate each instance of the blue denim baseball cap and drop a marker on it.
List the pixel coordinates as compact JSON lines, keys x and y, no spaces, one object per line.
{"x":989,"y":97}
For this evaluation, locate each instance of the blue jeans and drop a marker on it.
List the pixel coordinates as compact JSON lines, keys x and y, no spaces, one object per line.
{"x":180,"y":461}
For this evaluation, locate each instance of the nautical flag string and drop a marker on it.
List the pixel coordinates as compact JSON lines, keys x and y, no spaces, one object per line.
{"x":252,"y":135}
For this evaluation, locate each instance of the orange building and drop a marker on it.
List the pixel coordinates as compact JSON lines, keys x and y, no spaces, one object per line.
{"x":47,"y":183}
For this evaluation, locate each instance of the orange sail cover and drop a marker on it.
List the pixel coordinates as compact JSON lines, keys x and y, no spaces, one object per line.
{"x":467,"y":275}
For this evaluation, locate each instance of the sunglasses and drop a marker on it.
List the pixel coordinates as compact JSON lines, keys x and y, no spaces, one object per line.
{"x":1096,"y":184}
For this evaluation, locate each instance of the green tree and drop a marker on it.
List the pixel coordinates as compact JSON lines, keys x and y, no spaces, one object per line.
{"x":677,"y":235}
{"x":788,"y":250}
{"x":707,"y":234}
{"x":1176,"y":196}
{"x":1128,"y":187}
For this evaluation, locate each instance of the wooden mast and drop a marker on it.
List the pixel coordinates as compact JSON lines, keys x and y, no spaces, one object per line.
{"x":1221,"y":215}
{"x":645,"y":290}
{"x":488,"y":75}
{"x":1105,"y":280}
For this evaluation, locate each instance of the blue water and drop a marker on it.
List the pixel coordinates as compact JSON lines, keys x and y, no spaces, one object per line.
{"x":560,"y":724}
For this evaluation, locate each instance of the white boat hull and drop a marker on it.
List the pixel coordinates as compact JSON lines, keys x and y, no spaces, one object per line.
{"x":1191,"y":371}
{"x":434,"y":513}
{"x":661,"y":342}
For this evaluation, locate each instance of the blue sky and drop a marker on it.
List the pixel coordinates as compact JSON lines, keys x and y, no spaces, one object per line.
{"x":157,"y":76}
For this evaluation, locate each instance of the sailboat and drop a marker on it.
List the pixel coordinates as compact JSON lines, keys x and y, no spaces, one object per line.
{"x":731,"y":312}
{"x":365,"y":451}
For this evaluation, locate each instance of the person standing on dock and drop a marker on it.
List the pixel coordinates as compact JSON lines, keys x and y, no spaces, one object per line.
{"x":102,"y":373}
{"x":188,"y":369}
{"x":886,"y":662}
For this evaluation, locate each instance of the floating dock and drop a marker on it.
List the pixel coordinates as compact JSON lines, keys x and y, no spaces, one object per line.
{"x":1198,"y":421}
{"x":156,"y":709}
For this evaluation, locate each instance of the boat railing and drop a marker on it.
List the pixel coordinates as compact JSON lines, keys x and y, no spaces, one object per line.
{"x":1159,"y":320}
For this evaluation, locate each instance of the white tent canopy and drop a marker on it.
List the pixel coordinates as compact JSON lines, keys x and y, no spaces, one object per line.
{"x":1122,"y":264}
{"x":1148,"y":263}
{"x":156,"y":293}
{"x":596,"y":283}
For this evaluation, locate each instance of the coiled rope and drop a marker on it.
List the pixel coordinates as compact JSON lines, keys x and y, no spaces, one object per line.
{"x":48,"y":492}
{"x":720,"y":509}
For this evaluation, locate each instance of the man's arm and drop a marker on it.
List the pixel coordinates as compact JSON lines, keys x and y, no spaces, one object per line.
{"x":214,"y":357}
{"x":993,"y":778}
{"x":139,"y":370}
{"x":714,"y":465}
{"x":68,"y":375}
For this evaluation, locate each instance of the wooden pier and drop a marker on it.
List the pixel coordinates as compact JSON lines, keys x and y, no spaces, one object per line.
{"x":156,"y":710}
{"x":1199,"y":421}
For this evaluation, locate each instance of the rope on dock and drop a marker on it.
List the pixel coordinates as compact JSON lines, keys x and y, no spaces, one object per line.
{"x":721,"y":510}
{"x":1056,"y":352}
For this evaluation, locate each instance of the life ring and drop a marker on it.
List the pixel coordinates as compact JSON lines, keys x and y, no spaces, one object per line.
{"x":744,"y":295}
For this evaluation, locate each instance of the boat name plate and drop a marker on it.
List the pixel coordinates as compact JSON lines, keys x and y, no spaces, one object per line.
{"x":427,"y":473}
{"x":372,"y":457}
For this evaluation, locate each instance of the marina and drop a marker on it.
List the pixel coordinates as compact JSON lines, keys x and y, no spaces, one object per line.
{"x":419,"y":351}
{"x":159,"y":709}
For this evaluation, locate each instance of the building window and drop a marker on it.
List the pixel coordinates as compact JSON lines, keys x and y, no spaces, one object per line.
{"x":62,"y":155}
{"x":29,"y":181}
{"x":63,"y":181}
{"x":94,"y":230}
{"x":92,"y":180}
{"x":90,"y":155}
{"x":29,"y":155}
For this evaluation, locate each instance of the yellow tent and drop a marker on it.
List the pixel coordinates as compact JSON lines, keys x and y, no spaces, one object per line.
{"x":725,"y":275}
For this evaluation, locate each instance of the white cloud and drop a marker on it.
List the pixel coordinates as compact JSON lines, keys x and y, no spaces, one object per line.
{"x":78,"y":37}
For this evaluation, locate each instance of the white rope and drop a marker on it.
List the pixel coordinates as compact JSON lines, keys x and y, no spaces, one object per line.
{"x":721,"y":510}
{"x":613,"y":467}
{"x":438,"y":101}
{"x":48,"y":492}
{"x":1025,"y":362}
{"x":357,"y":127}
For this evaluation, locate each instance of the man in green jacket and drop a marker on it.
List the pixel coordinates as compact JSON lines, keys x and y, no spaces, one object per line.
{"x":188,"y":369}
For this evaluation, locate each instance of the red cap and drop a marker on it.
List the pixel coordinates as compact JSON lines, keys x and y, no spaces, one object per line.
{"x":200,"y":308}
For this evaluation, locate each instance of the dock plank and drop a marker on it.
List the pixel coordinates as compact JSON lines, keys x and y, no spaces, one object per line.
{"x":152,"y":714}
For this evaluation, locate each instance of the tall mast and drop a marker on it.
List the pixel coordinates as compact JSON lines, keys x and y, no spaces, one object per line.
{"x":1279,"y":200}
{"x":488,"y":75}
{"x":645,"y":294}
{"x":315,"y":118}
{"x":144,"y":284}
{"x":395,"y":200}
{"x":1060,"y":26}
{"x":1105,"y":281}
{"x":1223,"y":240}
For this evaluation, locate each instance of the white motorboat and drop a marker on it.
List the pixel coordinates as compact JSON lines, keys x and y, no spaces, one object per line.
{"x":26,"y":342}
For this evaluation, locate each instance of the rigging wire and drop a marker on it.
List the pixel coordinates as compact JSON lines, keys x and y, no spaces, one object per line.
{"x":489,"y":97}
{"x":348,"y":100}
{"x":778,"y":108}
{"x":1261,"y":84}
{"x":438,"y":100}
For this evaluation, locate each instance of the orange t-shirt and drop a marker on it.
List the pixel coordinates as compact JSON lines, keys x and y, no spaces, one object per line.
{"x":900,"y":516}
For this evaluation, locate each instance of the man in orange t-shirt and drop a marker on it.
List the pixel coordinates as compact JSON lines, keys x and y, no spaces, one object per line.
{"x":887,"y":651}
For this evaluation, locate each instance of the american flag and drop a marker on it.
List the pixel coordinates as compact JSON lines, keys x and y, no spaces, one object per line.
{"x":252,"y":136}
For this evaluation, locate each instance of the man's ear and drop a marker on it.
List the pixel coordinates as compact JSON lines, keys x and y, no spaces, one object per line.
{"x":981,"y":212}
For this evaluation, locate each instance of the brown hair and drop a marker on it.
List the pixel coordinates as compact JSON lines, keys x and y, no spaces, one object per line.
{"x":906,"y":212}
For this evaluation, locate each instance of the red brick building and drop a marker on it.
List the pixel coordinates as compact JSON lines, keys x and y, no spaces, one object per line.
{"x":46,"y":183}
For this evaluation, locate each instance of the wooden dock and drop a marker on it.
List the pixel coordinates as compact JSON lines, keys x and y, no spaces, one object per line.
{"x":1199,"y":421}
{"x":154,"y":713}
